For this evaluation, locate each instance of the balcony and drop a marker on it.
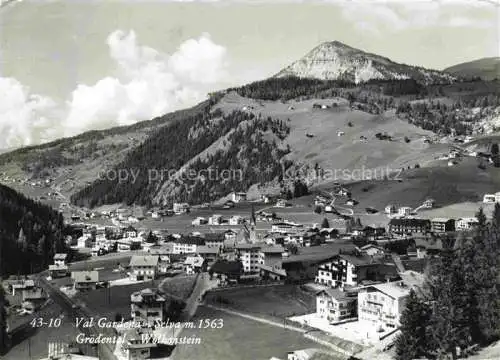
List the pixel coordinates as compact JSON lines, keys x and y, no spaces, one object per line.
{"x":370,"y":302}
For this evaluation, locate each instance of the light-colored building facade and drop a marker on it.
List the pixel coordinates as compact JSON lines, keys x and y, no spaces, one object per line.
{"x":143,"y":267}
{"x":180,"y":208}
{"x":381,"y":305}
{"x":147,"y":307}
{"x":334,"y":305}
{"x":248,"y":254}
{"x":442,"y":225}
{"x":85,"y":280}
{"x":404,"y":211}
{"x":465,"y":224}
{"x":60,"y":259}
{"x":187,"y":245}
{"x":238,"y":196}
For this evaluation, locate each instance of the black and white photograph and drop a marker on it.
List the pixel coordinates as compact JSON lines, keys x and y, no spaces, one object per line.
{"x":249,"y":179}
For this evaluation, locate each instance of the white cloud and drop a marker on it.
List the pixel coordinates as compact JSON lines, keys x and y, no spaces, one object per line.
{"x":148,"y":83}
{"x":25,"y":118}
{"x":397,"y":16}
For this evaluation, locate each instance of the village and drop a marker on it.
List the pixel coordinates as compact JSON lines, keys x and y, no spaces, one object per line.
{"x":355,"y":278}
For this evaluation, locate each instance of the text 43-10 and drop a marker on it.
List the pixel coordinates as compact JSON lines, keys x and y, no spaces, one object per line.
{"x":40,"y":322}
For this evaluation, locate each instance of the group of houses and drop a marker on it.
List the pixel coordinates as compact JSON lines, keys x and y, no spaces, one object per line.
{"x":217,"y":219}
{"x":407,"y":226}
{"x":378,"y":305}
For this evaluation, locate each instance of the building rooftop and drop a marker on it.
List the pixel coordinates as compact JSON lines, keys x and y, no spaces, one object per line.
{"x":319,"y":253}
{"x":273,"y":269}
{"x":144,"y":260}
{"x":358,"y":260}
{"x":214,"y":236}
{"x":194,"y":261}
{"x":208,"y":249}
{"x":58,"y":267}
{"x":336,"y":294}
{"x":85,"y":276}
{"x":191,"y":240}
{"x":409,"y":222}
{"x":272,"y":249}
{"x":469,"y":219}
{"x":227,"y":267}
{"x":441,"y":219}
{"x":249,"y":246}
{"x":140,"y":296}
{"x":394,"y":289}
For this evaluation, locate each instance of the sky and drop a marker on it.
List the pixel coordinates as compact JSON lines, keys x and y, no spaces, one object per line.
{"x":67,"y":66}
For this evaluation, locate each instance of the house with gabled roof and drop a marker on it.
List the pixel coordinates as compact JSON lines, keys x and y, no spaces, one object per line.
{"x":226,"y":271}
{"x":187,"y":244}
{"x":209,"y":253}
{"x":60,"y":259}
{"x":351,"y":269}
{"x":194,"y":264}
{"x":85,"y":280}
{"x":215,"y":239}
{"x":147,"y":306}
{"x":143,"y":267}
{"x":334,"y":305}
{"x":380,"y":306}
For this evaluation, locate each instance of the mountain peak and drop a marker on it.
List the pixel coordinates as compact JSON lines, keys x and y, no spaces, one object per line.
{"x":334,"y":60}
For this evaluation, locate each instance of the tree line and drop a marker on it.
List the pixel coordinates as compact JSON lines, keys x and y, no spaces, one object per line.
{"x":459,"y":306}
{"x":173,"y":146}
{"x":251,"y":149}
{"x":30,"y":233}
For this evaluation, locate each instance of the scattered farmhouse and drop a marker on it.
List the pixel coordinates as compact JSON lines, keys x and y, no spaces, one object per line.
{"x":404,"y":211}
{"x":180,"y":208}
{"x":60,"y":259}
{"x":59,"y":268}
{"x":238,"y":196}
{"x":491,"y":198}
{"x":390,"y":209}
{"x":429,"y":204}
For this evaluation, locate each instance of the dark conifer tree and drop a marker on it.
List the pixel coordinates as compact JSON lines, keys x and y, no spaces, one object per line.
{"x":412,"y":343}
